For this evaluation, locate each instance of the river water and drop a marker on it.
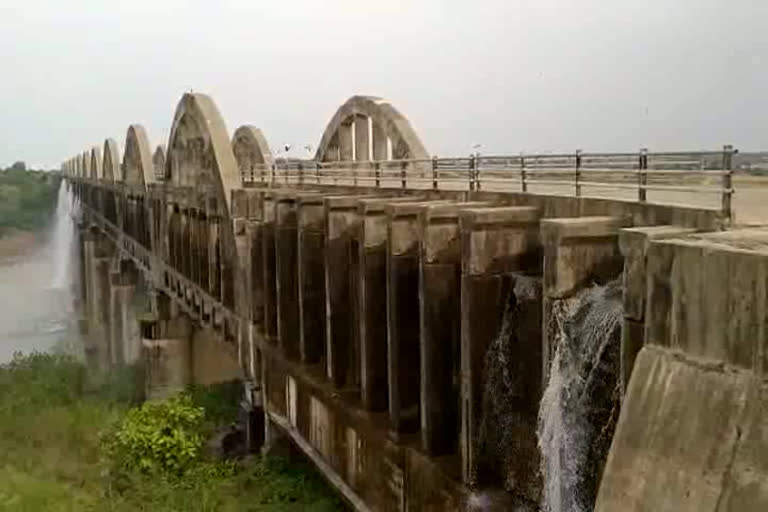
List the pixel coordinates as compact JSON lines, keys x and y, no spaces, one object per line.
{"x":36,"y":310}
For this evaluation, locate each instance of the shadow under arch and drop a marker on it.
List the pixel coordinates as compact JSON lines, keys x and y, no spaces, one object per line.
{"x":391,"y":135}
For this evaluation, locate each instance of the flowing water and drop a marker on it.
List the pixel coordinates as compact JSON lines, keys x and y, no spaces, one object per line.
{"x":580,"y":403}
{"x":36,"y":310}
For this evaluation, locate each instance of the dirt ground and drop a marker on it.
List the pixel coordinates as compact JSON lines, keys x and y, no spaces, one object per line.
{"x":750,"y":200}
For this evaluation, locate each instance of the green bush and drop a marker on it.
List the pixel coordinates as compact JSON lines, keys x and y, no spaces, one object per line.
{"x":163,"y":437}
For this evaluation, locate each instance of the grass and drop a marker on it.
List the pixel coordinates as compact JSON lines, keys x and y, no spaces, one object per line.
{"x":52,"y":420}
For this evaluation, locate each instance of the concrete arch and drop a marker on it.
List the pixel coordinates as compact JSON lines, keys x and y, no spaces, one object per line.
{"x":85,"y":158}
{"x":137,"y":159}
{"x":158,"y":162}
{"x":200,"y":155}
{"x":389,"y":129}
{"x":199,"y":151}
{"x":110,"y":167}
{"x":250,"y":148}
{"x":96,"y":167}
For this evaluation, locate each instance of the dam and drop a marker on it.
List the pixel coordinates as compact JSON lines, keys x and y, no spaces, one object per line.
{"x":561,"y":332}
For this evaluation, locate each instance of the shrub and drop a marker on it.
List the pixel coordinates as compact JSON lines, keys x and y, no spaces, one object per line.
{"x":157,"y":437}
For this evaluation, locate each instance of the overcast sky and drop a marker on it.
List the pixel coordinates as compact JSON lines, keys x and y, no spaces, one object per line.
{"x":510,"y":75}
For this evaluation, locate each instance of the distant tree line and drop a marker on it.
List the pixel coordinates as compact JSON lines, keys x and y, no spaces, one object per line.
{"x":27,"y":198}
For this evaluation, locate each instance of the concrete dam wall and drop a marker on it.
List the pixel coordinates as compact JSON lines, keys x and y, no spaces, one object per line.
{"x":433,"y":347}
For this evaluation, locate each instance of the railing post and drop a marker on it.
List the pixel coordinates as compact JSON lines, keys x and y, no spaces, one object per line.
{"x":403,"y":174}
{"x":262,"y":169}
{"x":274,"y":174}
{"x":727,"y":183}
{"x":577,"y":176}
{"x":642,"y":176}
{"x":301,"y":174}
{"x":471,"y":172}
{"x":354,"y":174}
{"x":477,"y":172}
{"x":317,"y":172}
{"x":377,"y":173}
{"x":434,"y":173}
{"x":523,"y":182}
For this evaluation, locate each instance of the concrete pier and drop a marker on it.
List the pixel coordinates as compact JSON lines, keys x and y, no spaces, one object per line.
{"x":372,"y":317}
{"x":167,"y":353}
{"x":269,"y":295}
{"x":440,"y":328}
{"x":286,"y":261}
{"x":124,"y":335}
{"x":496,"y":243}
{"x":311,"y":276}
{"x":97,"y":259}
{"x":342,"y":286}
{"x":403,"y":319}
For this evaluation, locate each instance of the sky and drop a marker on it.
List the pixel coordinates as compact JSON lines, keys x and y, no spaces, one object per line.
{"x":510,"y":75}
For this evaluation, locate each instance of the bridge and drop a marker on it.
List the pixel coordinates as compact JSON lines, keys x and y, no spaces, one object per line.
{"x":366,"y":295}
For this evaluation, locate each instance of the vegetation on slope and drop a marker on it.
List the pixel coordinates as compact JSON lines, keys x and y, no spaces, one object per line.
{"x":67,"y":444}
{"x":27,"y":198}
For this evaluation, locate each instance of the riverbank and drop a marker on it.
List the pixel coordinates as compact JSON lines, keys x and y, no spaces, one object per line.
{"x":15,"y":243}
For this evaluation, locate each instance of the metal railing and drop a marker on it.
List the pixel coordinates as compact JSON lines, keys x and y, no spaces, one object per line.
{"x":622,"y":175}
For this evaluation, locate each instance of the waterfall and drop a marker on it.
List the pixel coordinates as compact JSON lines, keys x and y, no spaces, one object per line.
{"x":63,"y":235}
{"x":579,"y":408}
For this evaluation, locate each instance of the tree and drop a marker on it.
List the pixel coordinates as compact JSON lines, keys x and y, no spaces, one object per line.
{"x":19,"y":166}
